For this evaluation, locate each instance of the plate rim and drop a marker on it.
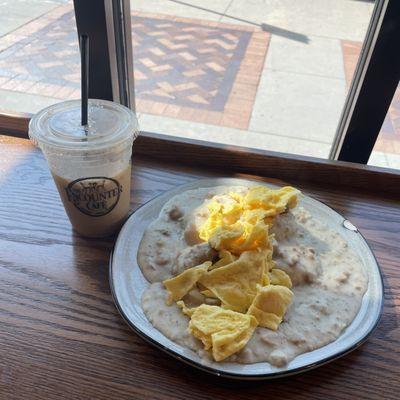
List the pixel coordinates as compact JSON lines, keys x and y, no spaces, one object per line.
{"x":233,"y":375}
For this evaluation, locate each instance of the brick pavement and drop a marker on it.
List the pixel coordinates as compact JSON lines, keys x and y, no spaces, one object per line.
{"x":189,"y":69}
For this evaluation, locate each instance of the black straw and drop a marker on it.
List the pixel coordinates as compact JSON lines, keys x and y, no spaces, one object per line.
{"x":84,"y":44}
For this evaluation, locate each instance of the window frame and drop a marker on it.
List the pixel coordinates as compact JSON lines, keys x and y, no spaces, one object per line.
{"x":373,"y":86}
{"x":108,"y":25}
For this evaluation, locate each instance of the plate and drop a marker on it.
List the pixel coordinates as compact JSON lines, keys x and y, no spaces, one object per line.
{"x":128,"y":283}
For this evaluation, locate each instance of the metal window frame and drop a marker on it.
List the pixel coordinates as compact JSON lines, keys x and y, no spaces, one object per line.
{"x":374,"y":84}
{"x":108,"y":25}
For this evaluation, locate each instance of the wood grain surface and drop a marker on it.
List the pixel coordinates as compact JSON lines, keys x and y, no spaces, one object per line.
{"x":308,"y":170}
{"x":62,"y":338}
{"x":14,"y":123}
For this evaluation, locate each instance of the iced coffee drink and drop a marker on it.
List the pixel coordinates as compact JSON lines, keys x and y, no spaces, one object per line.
{"x":96,"y":205}
{"x":91,"y":166}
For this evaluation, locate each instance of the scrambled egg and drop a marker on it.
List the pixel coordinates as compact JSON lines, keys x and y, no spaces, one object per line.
{"x":180,"y":285}
{"x":240,"y":223}
{"x":270,"y":304}
{"x":278,"y":277}
{"x":251,"y":291}
{"x":225,"y":258}
{"x":272,"y":201}
{"x":235,"y":284}
{"x":223,"y":332}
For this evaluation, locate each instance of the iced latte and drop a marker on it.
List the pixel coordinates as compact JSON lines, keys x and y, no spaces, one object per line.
{"x":91,"y":166}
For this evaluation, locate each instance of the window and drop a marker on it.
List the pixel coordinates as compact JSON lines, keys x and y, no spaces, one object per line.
{"x":39,"y":57}
{"x":265,"y":74}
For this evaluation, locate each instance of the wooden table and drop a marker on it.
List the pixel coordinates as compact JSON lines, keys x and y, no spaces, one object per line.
{"x":62,"y":338}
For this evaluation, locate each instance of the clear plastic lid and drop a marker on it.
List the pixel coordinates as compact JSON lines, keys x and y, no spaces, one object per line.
{"x":59,"y":126}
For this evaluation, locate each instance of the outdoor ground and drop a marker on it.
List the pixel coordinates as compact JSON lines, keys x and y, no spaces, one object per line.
{"x":270,"y":74}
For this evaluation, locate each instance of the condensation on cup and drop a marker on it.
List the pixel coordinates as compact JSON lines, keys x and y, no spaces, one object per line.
{"x":91,"y":165}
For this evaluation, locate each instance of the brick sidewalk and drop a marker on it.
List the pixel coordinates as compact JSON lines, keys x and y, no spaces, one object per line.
{"x":190,"y":69}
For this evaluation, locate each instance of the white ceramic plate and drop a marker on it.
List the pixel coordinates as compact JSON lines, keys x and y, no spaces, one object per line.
{"x":128,"y":283}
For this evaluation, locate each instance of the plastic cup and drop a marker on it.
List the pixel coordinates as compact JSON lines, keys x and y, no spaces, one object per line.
{"x":91,"y":165}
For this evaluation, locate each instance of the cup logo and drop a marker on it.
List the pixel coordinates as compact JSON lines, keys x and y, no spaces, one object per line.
{"x":96,"y":196}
